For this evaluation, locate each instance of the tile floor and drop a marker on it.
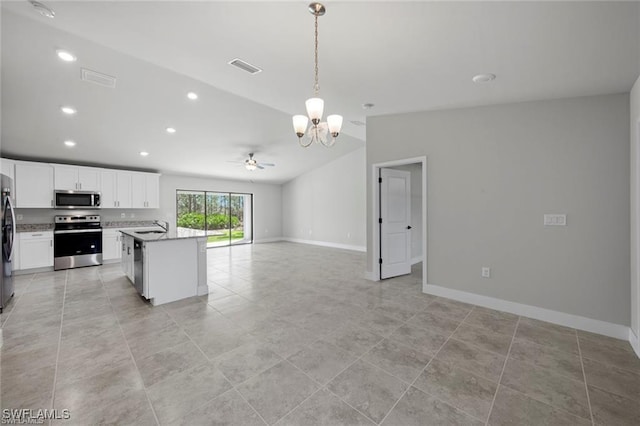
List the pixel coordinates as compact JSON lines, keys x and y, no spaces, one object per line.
{"x":293,"y":335}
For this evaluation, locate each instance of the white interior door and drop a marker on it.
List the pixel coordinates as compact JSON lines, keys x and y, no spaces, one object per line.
{"x":395,"y":223}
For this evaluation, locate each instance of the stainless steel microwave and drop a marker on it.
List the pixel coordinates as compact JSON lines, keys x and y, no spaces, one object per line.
{"x":77,"y":200}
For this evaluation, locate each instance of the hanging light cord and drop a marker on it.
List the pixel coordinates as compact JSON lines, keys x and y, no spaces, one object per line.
{"x":316,"y":87}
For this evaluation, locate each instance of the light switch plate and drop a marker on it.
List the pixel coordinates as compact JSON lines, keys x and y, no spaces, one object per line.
{"x":555,"y":220}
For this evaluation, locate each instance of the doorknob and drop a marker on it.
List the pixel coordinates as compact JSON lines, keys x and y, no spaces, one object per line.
{"x":408,"y":226}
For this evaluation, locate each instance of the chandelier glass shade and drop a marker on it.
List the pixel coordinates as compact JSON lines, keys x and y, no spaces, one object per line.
{"x":319,"y":131}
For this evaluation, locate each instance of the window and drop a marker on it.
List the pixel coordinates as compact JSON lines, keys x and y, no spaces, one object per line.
{"x":225,"y":218}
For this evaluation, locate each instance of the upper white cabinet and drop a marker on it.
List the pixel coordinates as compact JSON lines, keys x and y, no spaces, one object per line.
{"x":115,"y":189}
{"x":119,"y":189}
{"x":34,"y":185}
{"x":145,"y":190}
{"x":9,"y":169}
{"x":76,"y":178}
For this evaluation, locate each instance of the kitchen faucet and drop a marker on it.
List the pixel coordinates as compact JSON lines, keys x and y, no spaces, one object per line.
{"x":162,"y":224}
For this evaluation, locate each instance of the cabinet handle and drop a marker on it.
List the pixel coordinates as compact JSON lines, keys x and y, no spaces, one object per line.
{"x":51,"y":203}
{"x":50,"y":243}
{"x":80,"y":185}
{"x":36,"y":235}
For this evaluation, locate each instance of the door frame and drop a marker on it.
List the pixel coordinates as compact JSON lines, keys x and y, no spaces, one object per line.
{"x":635,"y":243}
{"x":375,"y":203}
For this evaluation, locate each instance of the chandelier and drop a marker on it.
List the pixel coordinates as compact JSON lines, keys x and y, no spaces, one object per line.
{"x":318,"y":131}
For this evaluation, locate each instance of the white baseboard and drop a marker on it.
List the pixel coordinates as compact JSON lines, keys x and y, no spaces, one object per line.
{"x":415,"y":260}
{"x":568,"y":320}
{"x":326,"y":244}
{"x":371,"y":276}
{"x":203,"y":290}
{"x":635,"y":343}
{"x":268,"y":240}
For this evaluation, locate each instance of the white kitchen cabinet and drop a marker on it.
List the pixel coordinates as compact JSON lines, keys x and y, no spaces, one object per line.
{"x":8,"y":169}
{"x":33,"y":185}
{"x":127,"y":256}
{"x":76,"y":178}
{"x":111,"y":244}
{"x":115,"y":189}
{"x":145,"y":189}
{"x":36,"y":249}
{"x":153,"y":191}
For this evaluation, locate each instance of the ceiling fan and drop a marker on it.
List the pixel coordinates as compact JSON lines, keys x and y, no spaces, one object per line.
{"x":251,"y":163}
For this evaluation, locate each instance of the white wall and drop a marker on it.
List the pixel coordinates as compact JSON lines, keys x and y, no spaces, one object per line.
{"x":634,"y":130}
{"x":494,"y":171}
{"x":267,"y":201}
{"x":327,"y":205}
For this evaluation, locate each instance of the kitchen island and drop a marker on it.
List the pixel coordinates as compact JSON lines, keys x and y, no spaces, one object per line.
{"x":163,"y":266}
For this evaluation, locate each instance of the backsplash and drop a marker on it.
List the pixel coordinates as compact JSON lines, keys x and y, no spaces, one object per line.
{"x":128,"y":224}
{"x":34,"y":227}
{"x":45,"y":216}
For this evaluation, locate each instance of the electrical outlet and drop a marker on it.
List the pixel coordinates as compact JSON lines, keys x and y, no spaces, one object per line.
{"x":133,"y":215}
{"x":486,"y":272}
{"x":555,"y":220}
{"x":19,"y":217}
{"x":123,"y":215}
{"x":266,"y":231}
{"x":349,"y":235}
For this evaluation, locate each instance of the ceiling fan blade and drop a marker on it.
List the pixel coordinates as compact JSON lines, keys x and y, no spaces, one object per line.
{"x":267,"y":164}
{"x":260,"y":167}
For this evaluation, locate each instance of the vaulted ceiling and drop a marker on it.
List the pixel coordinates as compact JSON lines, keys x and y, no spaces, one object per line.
{"x":400,"y":56}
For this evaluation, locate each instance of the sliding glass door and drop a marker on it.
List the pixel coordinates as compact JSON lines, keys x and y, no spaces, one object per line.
{"x":226,"y":218}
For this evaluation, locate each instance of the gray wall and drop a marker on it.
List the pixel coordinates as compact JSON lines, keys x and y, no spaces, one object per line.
{"x":634,"y":139}
{"x":494,"y":171}
{"x":327,"y":204}
{"x":267,"y":201}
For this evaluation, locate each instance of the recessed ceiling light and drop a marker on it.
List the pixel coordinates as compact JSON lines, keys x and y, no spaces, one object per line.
{"x":171,"y":130}
{"x":483,"y":78}
{"x":42,"y":9}
{"x":144,"y":153}
{"x":66,"y":56}
{"x":192,"y":95}
{"x":68,"y":110}
{"x":70,"y":143}
{"x":368,"y":106}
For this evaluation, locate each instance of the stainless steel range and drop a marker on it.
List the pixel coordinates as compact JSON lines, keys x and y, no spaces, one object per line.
{"x":77,"y":242}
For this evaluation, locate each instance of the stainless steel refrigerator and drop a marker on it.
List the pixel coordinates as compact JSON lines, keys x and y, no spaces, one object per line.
{"x":8,"y":231}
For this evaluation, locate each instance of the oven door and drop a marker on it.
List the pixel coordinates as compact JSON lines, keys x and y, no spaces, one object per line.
{"x":75,"y":248}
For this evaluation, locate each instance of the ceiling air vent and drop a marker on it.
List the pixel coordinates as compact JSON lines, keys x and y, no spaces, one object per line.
{"x":245,"y":66}
{"x":98,"y":78}
{"x":358,"y":123}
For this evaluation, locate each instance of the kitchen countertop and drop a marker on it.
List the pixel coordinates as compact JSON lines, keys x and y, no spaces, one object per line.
{"x":164,"y":236}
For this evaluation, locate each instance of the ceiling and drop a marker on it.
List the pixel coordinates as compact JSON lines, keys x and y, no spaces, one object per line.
{"x":401,"y":56}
